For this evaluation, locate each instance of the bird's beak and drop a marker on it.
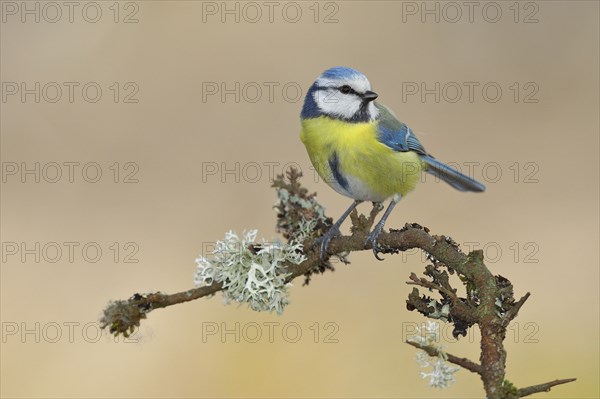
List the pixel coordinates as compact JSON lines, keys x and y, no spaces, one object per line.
{"x":370,"y":96}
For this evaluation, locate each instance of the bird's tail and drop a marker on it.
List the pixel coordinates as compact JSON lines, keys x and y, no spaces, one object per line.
{"x":452,"y":176}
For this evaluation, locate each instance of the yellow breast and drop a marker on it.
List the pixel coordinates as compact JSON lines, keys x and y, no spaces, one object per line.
{"x":372,"y":170}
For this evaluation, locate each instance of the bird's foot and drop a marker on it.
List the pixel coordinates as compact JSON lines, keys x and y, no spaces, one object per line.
{"x":324,"y":240}
{"x":372,"y":240}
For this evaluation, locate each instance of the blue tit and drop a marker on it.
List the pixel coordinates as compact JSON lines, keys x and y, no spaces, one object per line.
{"x":362,"y":151}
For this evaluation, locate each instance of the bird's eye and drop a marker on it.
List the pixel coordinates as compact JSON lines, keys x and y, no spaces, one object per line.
{"x":345,"y":89}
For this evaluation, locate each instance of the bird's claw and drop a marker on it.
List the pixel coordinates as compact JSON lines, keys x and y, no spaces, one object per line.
{"x":324,"y":240}
{"x":372,"y":241}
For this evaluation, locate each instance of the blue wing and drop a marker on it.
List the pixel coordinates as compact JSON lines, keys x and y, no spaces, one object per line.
{"x":400,"y":137}
{"x":396,"y":134}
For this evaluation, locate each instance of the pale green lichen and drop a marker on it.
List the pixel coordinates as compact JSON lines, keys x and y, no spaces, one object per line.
{"x":252,"y":273}
{"x":440,"y":312}
{"x":298,"y":216}
{"x":442,"y":373}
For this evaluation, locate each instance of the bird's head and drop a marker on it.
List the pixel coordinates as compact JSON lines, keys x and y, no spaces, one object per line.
{"x":341,"y":93}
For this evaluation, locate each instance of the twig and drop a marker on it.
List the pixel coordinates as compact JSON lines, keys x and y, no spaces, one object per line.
{"x":430,"y":285}
{"x":459,"y":361}
{"x":159,"y":300}
{"x":513,"y":312}
{"x":542,"y":387}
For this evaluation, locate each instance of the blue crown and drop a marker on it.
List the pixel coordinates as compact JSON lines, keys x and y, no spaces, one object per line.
{"x":341,"y":73}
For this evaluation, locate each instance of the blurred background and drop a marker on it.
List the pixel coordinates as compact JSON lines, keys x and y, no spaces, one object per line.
{"x":135,"y":134}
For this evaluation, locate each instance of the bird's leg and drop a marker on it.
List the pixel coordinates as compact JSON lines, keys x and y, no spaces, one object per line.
{"x":372,"y":238}
{"x":335,"y":229}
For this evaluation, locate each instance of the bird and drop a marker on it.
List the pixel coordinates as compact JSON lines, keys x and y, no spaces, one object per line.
{"x":362,"y":151}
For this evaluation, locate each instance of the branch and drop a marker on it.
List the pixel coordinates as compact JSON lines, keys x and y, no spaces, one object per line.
{"x":489,"y":302}
{"x":459,"y":309}
{"x":542,"y":387}
{"x":512,"y":313}
{"x":159,"y":300}
{"x":123,"y":316}
{"x":459,"y":361}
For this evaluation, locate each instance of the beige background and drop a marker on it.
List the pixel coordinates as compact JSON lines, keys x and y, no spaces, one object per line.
{"x":171,"y":213}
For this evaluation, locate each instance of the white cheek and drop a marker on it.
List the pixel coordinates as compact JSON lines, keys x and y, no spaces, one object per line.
{"x":332,"y":102}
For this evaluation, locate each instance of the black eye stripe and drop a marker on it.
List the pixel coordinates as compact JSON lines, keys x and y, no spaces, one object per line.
{"x":345,"y":89}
